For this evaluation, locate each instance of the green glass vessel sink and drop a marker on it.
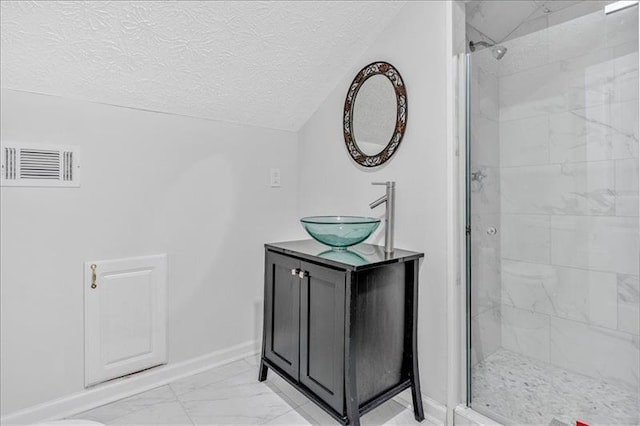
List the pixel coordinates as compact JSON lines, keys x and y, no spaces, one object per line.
{"x":339,"y":232}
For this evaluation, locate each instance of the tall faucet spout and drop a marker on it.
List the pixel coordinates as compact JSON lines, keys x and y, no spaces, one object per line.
{"x":389,"y":215}
{"x":377,"y":202}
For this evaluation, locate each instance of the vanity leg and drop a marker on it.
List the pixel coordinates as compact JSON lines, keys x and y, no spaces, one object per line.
{"x":416,"y":395}
{"x":418,"y":411}
{"x":262,"y":374}
{"x":353,"y":412}
{"x":351,"y":393}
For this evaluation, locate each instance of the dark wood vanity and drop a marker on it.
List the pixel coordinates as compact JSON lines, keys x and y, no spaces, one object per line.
{"x":341,"y":326}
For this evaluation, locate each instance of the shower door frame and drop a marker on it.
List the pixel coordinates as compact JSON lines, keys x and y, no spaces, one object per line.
{"x":467,"y":223}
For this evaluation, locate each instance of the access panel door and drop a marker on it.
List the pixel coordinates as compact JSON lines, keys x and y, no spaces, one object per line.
{"x":125,"y":316}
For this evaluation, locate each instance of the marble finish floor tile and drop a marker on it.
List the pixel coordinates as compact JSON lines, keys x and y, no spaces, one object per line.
{"x":390,"y":413}
{"x":109,"y":413}
{"x":231,"y":395}
{"x":238,"y":400}
{"x":528,"y":391}
{"x":210,"y":377}
{"x":166,"y":413}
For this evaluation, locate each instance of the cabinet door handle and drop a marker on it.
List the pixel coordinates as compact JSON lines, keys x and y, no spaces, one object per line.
{"x":303,"y":274}
{"x":93,"y":276}
{"x":295,"y":271}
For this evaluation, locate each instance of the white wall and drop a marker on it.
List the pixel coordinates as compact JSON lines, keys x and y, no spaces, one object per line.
{"x":151,"y":183}
{"x":331,"y":183}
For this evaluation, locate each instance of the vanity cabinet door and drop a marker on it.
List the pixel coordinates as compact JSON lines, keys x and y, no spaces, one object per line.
{"x":322,"y":308}
{"x":282,"y":312}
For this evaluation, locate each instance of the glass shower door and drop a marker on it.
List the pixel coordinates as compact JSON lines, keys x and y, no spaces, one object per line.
{"x":554,"y":300}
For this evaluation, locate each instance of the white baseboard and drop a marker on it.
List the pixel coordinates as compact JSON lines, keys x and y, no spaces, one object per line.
{"x":127,"y":386}
{"x":434,"y":412}
{"x":437,"y":412}
{"x":465,"y":416}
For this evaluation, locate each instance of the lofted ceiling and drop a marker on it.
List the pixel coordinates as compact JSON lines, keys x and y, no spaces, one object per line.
{"x":262,"y":63}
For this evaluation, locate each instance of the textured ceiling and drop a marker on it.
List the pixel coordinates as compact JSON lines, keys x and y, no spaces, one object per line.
{"x":268,"y":64}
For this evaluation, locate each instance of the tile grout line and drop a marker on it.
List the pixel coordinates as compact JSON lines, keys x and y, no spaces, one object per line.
{"x":212,"y":382}
{"x":181,"y":404}
{"x":596,"y":327}
{"x":129,"y":412}
{"x":176,"y":398}
{"x":284,"y":414}
{"x":565,"y":110}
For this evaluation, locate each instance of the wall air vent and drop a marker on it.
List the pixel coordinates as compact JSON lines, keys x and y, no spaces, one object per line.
{"x":39,"y":165}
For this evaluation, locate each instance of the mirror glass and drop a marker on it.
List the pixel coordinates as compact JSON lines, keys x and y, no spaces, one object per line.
{"x":374,"y":114}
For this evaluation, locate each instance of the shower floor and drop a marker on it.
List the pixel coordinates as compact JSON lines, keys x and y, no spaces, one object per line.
{"x":523,"y":390}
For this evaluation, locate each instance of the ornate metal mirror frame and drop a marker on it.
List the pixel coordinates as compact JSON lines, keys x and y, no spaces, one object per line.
{"x":387,"y":70}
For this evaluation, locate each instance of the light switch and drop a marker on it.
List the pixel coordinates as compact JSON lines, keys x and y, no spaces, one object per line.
{"x":275,"y":178}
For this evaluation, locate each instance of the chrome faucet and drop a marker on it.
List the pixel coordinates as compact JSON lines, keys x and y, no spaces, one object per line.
{"x":390,"y":199}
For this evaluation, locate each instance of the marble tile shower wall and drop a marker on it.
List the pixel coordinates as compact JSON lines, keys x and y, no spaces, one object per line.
{"x":485,"y":205}
{"x":568,"y":188}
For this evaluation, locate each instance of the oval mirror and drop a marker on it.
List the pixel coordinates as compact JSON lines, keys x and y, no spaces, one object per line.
{"x":375,"y":114}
